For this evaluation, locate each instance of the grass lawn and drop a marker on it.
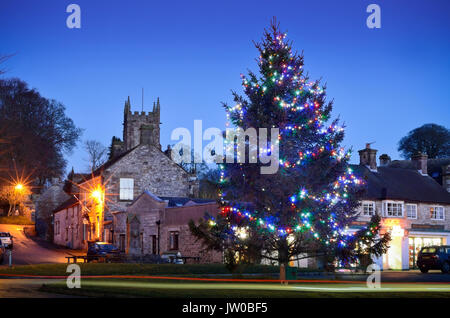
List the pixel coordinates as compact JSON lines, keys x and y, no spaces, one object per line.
{"x":16,"y":220}
{"x":136,"y":269}
{"x":134,"y":288}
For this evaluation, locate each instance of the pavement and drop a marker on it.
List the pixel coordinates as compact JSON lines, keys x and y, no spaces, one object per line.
{"x":28,"y":251}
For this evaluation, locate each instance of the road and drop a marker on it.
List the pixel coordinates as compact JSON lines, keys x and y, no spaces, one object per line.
{"x":27,"y":251}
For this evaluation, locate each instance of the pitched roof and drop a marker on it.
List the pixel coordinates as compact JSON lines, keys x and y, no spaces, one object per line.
{"x":66,"y":204}
{"x":172,"y":201}
{"x":180,"y":201}
{"x":401,"y":184}
{"x":111,"y":162}
{"x":434,"y":166}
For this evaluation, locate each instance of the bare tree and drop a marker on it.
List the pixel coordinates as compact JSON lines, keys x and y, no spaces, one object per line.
{"x":3,"y":58}
{"x":98,"y":154}
{"x":15,"y":197}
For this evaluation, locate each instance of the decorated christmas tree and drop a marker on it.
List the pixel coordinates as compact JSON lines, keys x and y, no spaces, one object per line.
{"x":305,"y":208}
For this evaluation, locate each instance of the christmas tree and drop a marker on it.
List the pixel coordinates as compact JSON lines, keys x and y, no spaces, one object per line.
{"x":304,"y":209}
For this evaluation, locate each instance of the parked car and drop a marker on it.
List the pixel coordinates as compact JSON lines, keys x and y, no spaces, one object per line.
{"x":6,"y":239}
{"x":434,"y":257}
{"x":2,"y":252}
{"x":102,"y":251}
{"x":172,"y":257}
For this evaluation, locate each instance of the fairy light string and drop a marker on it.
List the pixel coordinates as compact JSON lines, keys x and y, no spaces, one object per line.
{"x":302,"y":102}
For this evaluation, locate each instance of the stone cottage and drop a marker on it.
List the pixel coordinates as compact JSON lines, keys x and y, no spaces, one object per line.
{"x":159,"y":225}
{"x":137,"y":164}
{"x":414,"y":207}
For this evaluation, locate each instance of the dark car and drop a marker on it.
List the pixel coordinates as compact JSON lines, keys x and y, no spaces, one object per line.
{"x":102,"y":251}
{"x":434,"y":257}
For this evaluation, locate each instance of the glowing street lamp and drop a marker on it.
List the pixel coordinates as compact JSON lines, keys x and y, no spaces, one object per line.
{"x":19,"y":187}
{"x":97,"y":195}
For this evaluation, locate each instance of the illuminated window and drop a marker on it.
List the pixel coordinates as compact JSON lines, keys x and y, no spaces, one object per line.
{"x":126,"y":189}
{"x":437,"y":212}
{"x":368,"y":208}
{"x":411,"y":211}
{"x":393,"y":209}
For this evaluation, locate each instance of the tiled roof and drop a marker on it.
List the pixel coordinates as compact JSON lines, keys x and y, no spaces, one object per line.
{"x":401,"y":184}
{"x":66,"y":204}
{"x":180,"y":201}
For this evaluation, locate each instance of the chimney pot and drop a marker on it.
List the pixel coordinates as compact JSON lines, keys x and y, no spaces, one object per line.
{"x":368,"y":157}
{"x":420,"y":162}
{"x":385,"y":160}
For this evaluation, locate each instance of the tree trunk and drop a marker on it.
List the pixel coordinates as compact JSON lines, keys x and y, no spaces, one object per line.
{"x":282,"y":272}
{"x":283,"y":258}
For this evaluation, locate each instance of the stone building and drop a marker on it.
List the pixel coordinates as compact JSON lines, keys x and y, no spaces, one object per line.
{"x":414,"y":207}
{"x":159,"y":225}
{"x":69,"y":229}
{"x":150,"y":225}
{"x":137,"y":164}
{"x":50,"y":199}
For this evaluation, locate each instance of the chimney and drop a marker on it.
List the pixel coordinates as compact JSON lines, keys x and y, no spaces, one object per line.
{"x":419,"y":161}
{"x":385,"y":160}
{"x":446,"y":177}
{"x":368,"y":157}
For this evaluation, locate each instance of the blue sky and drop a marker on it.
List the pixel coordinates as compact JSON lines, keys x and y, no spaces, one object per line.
{"x":384,"y":82}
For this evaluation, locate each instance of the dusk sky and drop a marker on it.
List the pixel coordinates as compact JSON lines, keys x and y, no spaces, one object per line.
{"x":385,"y":82}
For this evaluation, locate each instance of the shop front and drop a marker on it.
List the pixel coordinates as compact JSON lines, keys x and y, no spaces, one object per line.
{"x":396,"y":257}
{"x":407,"y":241}
{"x":417,"y":240}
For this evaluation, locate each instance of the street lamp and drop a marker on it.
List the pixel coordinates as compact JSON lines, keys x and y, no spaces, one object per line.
{"x":19,"y":187}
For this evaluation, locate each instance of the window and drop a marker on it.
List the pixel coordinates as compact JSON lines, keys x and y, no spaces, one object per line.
{"x":368,"y":208}
{"x":437,"y":212}
{"x":173,"y":243}
{"x":411,"y":211}
{"x":126,"y":189}
{"x":393,"y":209}
{"x":57,"y":227}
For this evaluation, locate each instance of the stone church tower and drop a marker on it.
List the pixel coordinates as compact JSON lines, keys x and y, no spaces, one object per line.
{"x":141,"y":128}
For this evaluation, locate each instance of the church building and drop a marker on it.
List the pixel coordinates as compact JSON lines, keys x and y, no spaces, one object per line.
{"x":137,"y":164}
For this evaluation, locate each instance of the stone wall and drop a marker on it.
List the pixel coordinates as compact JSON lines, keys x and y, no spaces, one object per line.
{"x":70,"y":232}
{"x":177,"y":219}
{"x":49,"y":200}
{"x":151,"y":170}
{"x":423,"y":215}
{"x":138,"y":225}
